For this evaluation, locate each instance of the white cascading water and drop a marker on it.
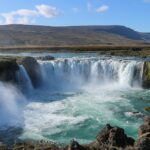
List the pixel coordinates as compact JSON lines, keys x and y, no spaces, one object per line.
{"x":11,"y":106}
{"x":24,"y":80}
{"x":74,"y":73}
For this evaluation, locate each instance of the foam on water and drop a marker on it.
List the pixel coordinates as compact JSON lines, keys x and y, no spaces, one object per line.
{"x":80,"y":116}
{"x":78,"y":97}
{"x":11,"y":105}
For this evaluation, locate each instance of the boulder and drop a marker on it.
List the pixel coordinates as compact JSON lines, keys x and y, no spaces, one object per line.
{"x":145,"y":127}
{"x":44,"y":58}
{"x":33,"y":69}
{"x":147,"y":120}
{"x":143,"y":142}
{"x":75,"y":146}
{"x":8,"y":69}
{"x":103,"y":135}
{"x":114,"y":137}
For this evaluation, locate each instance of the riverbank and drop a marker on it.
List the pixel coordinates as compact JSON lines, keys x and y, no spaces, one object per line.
{"x":131,"y":50}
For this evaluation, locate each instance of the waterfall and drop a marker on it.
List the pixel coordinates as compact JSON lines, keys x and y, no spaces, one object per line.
{"x":24,"y":80}
{"x":73,"y":73}
{"x":11,"y":105}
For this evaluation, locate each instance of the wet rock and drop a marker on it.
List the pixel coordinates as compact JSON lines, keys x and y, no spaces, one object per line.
{"x":147,"y":109}
{"x":44,"y":58}
{"x":39,"y":146}
{"x":146,"y":75}
{"x":143,"y":142}
{"x":118,"y":138}
{"x":114,"y":137}
{"x":103,"y":135}
{"x":75,"y":146}
{"x":3,"y":146}
{"x":147,"y":120}
{"x":145,"y":127}
{"x":24,"y":146}
{"x":8,"y":69}
{"x":33,"y":69}
{"x":135,"y":114}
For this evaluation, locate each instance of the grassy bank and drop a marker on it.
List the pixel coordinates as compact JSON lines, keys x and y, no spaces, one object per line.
{"x":128,"y":50}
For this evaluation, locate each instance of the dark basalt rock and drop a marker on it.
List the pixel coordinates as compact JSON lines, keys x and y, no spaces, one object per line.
{"x":75,"y":146}
{"x":146,"y":75}
{"x":44,"y":58}
{"x":114,"y":136}
{"x":145,"y":127}
{"x":143,"y":142}
{"x":33,"y":69}
{"x":8,"y":69}
{"x":104,"y":134}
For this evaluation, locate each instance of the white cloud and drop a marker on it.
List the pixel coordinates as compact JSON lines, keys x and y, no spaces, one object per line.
{"x":102,"y":9}
{"x":26,"y":12}
{"x":47,"y":11}
{"x":27,"y":16}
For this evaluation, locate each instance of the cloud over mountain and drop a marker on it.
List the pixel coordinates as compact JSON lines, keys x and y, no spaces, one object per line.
{"x":28,"y":16}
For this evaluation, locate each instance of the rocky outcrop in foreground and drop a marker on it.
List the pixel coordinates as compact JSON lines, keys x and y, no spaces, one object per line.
{"x":109,"y":138}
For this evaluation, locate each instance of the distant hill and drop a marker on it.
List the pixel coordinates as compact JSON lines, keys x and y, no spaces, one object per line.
{"x":30,"y":35}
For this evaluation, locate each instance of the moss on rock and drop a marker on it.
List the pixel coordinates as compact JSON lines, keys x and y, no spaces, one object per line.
{"x":147,"y":109}
{"x":146,"y":75}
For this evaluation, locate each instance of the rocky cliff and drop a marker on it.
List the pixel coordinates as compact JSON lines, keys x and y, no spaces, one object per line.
{"x":8,"y":69}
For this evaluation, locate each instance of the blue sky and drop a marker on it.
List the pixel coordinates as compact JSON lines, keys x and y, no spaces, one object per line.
{"x":131,"y":13}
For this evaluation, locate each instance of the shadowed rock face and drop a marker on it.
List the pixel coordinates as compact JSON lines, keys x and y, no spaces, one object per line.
{"x":143,"y":142}
{"x":8,"y":69}
{"x":146,"y":75}
{"x":114,"y":137}
{"x":46,"y":58}
{"x":33,"y":69}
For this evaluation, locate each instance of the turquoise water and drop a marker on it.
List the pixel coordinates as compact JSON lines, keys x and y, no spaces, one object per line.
{"x":81,"y":94}
{"x":81,"y":115}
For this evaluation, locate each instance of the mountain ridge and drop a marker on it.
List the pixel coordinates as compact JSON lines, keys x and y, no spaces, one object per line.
{"x":35,"y":35}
